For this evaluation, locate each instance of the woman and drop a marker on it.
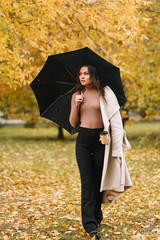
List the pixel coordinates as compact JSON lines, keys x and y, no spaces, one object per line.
{"x":94,"y":109}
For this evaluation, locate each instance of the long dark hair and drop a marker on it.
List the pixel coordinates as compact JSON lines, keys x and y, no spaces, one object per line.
{"x":94,"y":75}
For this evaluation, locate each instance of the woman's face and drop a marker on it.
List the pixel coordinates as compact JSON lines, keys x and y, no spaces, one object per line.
{"x":84,"y":77}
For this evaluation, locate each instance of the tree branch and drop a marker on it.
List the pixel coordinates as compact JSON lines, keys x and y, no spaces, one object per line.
{"x":99,"y":49}
{"x":5,"y":61}
{"x":43,"y":42}
{"x":86,"y":32}
{"x":97,"y":13}
{"x":94,"y":3}
{"x":148,"y":10}
{"x":25,"y":22}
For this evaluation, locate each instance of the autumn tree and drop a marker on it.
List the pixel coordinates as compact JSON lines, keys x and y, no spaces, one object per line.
{"x":19,"y":103}
{"x":141,"y":75}
{"x":32,"y":30}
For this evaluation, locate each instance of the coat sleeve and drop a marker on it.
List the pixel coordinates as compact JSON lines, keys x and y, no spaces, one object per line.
{"x":116,"y":135}
{"x":114,"y":117}
{"x":74,"y":117}
{"x":112,"y":105}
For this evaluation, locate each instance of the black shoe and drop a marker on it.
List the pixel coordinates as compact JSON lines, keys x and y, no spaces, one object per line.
{"x":95,"y":234}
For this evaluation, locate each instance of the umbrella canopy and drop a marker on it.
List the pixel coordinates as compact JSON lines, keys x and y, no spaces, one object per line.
{"x":56,"y":82}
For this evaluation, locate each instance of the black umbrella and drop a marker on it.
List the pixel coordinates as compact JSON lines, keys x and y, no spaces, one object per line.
{"x":56,"y":82}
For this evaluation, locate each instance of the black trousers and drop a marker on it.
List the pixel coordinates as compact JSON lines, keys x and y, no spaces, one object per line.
{"x":90,"y":157}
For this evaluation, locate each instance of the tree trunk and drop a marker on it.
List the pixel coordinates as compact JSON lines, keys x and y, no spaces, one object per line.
{"x":124,"y":121}
{"x":60,"y":133}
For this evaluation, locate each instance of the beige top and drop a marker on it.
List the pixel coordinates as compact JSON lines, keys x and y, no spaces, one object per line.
{"x":88,"y":113}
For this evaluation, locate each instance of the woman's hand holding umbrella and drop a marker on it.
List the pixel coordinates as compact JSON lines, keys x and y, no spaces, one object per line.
{"x":79,"y":99}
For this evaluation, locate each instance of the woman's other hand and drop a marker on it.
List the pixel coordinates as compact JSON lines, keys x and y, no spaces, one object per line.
{"x":79,"y":99}
{"x":108,"y":140}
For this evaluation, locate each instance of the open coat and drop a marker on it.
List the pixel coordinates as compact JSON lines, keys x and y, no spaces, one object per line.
{"x":115,"y":176}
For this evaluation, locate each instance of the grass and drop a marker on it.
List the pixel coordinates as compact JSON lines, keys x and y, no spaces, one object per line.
{"x":144,"y":134}
{"x":40,"y":187}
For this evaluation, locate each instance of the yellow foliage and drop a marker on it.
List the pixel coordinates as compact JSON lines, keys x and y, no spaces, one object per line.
{"x":56,"y":26}
{"x":124,"y":114}
{"x":32,"y":30}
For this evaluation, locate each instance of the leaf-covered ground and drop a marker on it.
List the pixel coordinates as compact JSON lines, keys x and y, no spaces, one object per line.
{"x":40,"y":188}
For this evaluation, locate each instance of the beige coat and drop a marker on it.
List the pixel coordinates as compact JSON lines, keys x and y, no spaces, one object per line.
{"x":115,"y":176}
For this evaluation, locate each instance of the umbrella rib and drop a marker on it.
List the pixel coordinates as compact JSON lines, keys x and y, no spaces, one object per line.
{"x":70,"y":73}
{"x":66,"y":83}
{"x":57,"y":100}
{"x":52,"y":83}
